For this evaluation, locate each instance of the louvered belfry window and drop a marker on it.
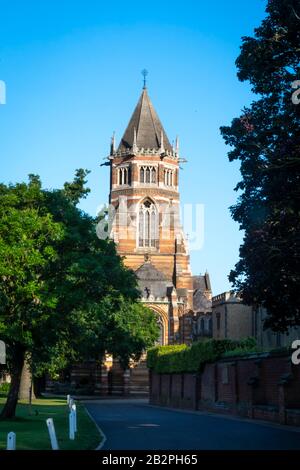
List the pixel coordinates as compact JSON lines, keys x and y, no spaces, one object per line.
{"x":124,"y":176}
{"x":169,"y":177}
{"x":148,"y":174}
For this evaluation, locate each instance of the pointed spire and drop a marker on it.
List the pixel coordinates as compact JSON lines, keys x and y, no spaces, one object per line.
{"x":113,"y":144}
{"x":145,"y":128}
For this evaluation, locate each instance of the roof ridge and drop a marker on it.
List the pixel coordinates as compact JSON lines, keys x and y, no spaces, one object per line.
{"x":152,"y":118}
{"x":139,"y":117}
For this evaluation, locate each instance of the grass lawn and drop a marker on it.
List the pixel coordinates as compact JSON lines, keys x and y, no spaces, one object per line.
{"x":32,"y":432}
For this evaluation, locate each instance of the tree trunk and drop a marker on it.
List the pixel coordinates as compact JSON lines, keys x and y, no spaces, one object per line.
{"x":9,"y":409}
{"x":26,"y":383}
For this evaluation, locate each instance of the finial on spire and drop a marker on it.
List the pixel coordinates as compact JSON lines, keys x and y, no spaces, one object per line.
{"x":144,"y":73}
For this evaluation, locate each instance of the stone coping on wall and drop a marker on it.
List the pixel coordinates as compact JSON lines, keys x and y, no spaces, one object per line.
{"x":256,"y":355}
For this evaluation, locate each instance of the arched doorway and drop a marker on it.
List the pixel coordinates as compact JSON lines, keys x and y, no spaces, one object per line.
{"x":163,"y":323}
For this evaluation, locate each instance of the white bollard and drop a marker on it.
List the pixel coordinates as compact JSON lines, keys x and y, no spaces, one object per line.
{"x":75,"y":416}
{"x":52,"y":434}
{"x":11,"y":441}
{"x":71,"y":425}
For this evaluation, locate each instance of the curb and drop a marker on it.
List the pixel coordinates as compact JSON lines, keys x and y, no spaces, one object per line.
{"x":104,"y":439}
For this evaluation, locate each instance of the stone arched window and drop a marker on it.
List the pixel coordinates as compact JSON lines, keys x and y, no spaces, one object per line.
{"x":148,"y":225}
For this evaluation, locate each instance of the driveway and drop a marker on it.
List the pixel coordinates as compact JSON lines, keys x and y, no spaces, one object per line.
{"x":134,"y":425}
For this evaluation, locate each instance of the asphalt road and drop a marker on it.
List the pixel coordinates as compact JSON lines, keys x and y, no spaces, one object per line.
{"x":134,"y":425}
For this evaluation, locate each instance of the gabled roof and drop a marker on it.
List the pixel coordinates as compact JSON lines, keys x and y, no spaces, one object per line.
{"x":153,"y":282}
{"x":202,"y":282}
{"x":148,"y":272}
{"x":146,"y":125}
{"x":201,"y":303}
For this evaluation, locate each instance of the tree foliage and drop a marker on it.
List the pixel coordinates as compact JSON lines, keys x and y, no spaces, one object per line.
{"x":266,"y":141}
{"x":65,"y":295}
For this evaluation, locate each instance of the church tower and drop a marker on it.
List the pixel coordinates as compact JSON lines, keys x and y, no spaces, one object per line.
{"x":144,"y":195}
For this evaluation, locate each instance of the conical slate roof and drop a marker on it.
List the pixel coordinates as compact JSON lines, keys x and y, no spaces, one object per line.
{"x":145,"y":122}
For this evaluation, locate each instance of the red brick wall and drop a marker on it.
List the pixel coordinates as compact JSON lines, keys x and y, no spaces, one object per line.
{"x":261,"y":387}
{"x":177,"y":389}
{"x":245,"y":370}
{"x":165,"y":389}
{"x":189,"y":390}
{"x":155,"y":388}
{"x":269,"y":375}
{"x":208,"y":386}
{"x":292,"y":393}
{"x":226,"y":384}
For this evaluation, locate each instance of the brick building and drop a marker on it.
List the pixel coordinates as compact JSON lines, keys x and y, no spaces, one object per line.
{"x":230,"y":317}
{"x":144,"y":201}
{"x":145,"y":226}
{"x":144,"y":196}
{"x":234,"y":320}
{"x":202,"y":306}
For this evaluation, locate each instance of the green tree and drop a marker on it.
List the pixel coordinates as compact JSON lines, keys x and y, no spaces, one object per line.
{"x":76,"y":190}
{"x":27,"y":235}
{"x":266,"y":141}
{"x":64,"y":294}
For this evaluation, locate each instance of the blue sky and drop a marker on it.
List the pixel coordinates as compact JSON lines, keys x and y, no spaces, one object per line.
{"x":73,"y":75}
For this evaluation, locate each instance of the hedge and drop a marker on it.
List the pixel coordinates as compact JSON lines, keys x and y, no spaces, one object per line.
{"x":182,"y":358}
